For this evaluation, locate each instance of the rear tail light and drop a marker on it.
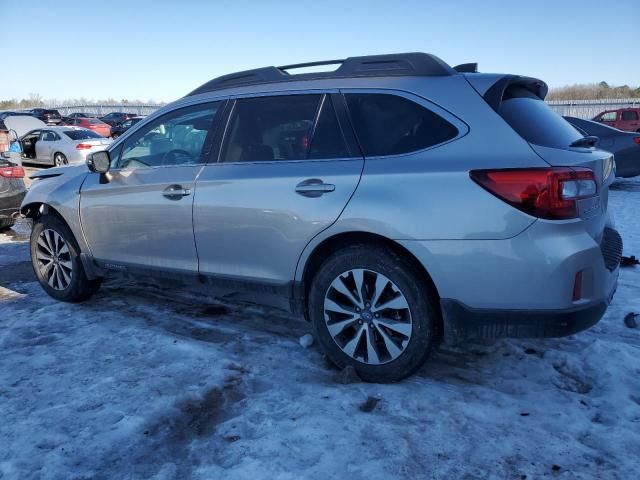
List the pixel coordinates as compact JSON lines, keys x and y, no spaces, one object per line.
{"x":550,"y":193}
{"x":637,"y":140}
{"x":12,"y":172}
{"x":83,"y":146}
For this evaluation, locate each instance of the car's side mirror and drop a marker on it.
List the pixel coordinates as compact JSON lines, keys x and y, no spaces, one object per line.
{"x":99,"y":162}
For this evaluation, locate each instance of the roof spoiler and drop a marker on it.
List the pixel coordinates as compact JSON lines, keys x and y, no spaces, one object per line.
{"x":495,"y":94}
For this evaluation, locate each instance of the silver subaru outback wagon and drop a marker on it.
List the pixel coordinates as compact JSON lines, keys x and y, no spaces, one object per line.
{"x":395,"y":202}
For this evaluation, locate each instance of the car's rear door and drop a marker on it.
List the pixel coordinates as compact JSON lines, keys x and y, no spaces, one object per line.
{"x":139,"y":215}
{"x":287,"y":168}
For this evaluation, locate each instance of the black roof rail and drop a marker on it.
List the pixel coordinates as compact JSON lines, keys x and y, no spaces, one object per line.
{"x":466,"y":68}
{"x":401,"y":64}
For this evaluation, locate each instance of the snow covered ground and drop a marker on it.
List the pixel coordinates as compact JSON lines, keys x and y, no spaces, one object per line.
{"x":139,"y":383}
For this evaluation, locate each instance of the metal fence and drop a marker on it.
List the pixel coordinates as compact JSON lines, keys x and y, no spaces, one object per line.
{"x":100,"y":110}
{"x":575,"y":108}
{"x":590,"y":108}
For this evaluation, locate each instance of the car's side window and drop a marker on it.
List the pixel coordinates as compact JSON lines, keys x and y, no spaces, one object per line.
{"x":271,"y":128}
{"x":388,"y":124}
{"x":47,"y":136}
{"x":176,"y":138}
{"x":629,"y":115}
{"x":609,"y":117}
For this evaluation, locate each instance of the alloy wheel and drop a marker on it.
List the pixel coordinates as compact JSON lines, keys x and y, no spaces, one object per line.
{"x":60,"y":160}
{"x":368,"y":316}
{"x":54,"y":259}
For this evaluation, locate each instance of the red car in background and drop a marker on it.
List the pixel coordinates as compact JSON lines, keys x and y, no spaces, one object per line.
{"x":98,"y":126}
{"x":622,"y":119}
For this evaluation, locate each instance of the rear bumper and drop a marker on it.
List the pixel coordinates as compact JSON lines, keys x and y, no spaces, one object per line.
{"x":10,"y":205}
{"x":470,"y":323}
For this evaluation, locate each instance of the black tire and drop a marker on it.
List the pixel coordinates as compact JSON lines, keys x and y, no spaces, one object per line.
{"x":79,"y":287}
{"x":410,"y":284}
{"x":59,"y":160}
{"x":6,"y":223}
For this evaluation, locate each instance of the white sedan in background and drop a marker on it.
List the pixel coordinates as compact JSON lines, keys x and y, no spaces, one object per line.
{"x":56,"y":145}
{"x":61,"y":145}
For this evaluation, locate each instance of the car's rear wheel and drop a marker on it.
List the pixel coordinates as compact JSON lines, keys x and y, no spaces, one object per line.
{"x":55,"y":256}
{"x":59,"y":160}
{"x":371,"y":309}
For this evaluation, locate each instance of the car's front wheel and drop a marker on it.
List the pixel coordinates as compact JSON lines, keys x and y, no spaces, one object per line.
{"x":55,"y":256}
{"x":371,"y":309}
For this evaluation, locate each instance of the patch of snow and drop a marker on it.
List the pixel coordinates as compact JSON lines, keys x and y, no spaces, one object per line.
{"x":137,"y":383}
{"x":306,"y":340}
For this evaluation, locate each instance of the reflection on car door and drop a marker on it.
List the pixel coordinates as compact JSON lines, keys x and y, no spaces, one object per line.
{"x":287,"y":168}
{"x":141,"y":218}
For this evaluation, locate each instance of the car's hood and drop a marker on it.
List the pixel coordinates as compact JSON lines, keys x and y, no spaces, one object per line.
{"x":67,"y":170}
{"x":23,"y":124}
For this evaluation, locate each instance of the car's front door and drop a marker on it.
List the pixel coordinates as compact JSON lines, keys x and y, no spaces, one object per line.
{"x":139,"y":214}
{"x":286,"y":169}
{"x":44,"y":145}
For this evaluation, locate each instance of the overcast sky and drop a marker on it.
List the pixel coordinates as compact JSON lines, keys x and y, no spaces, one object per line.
{"x":161,"y":50}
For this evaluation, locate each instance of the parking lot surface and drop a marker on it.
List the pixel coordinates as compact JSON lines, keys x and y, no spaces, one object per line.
{"x":141,"y":382}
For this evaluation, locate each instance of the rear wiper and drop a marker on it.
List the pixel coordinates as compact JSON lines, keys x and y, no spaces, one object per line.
{"x":585,"y":142}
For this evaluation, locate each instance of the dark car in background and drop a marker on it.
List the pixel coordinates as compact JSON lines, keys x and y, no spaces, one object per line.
{"x":48,"y":116}
{"x":117,"y":118}
{"x":623,"y":119}
{"x":12,"y":189}
{"x":118,"y":130}
{"x":67,"y":120}
{"x":625,"y":146}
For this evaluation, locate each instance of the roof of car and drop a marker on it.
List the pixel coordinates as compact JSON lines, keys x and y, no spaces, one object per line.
{"x":394,"y":65}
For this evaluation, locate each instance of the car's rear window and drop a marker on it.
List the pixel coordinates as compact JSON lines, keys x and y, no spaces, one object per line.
{"x":81,"y":134}
{"x":51,"y":112}
{"x":94,"y":121}
{"x":534,"y":120}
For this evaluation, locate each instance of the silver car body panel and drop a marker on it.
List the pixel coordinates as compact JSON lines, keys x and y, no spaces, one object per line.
{"x":249,"y":224}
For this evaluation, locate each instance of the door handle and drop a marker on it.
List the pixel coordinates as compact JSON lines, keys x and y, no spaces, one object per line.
{"x":175,"y":192}
{"x":314,"y":187}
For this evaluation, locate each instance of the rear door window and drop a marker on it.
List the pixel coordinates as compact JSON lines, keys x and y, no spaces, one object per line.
{"x":388,"y":124}
{"x":629,"y":116}
{"x":535,"y":121}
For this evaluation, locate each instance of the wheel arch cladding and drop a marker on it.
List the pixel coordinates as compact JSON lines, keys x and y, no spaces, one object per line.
{"x":347,"y":239}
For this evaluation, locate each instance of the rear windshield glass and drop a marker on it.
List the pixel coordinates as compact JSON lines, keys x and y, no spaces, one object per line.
{"x":51,"y":112}
{"x":535,"y":121}
{"x":81,"y":134}
{"x":94,"y":121}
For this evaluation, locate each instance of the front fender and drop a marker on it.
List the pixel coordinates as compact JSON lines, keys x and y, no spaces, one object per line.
{"x":58,"y":189}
